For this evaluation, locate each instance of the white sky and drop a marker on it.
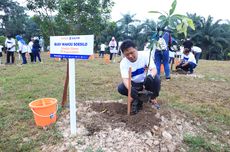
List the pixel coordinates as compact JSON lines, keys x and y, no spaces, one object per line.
{"x":219,"y":9}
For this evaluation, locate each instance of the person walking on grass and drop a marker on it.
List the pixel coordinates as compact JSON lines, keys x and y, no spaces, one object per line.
{"x":102,"y":50}
{"x":22,"y":47}
{"x":36,"y":50}
{"x":144,"y":75}
{"x":112,"y":47}
{"x":10,"y":49}
{"x":30,"y":47}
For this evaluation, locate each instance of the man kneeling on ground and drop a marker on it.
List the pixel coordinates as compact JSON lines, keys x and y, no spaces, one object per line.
{"x":142,"y":77}
{"x":188,"y":62}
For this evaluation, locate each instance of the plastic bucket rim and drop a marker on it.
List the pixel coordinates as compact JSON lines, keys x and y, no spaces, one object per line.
{"x":43,"y":115}
{"x":45,"y":106}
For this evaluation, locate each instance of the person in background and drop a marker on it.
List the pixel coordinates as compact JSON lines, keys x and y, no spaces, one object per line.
{"x":188,"y":44}
{"x":102,"y":50}
{"x":172,"y":53}
{"x":162,"y":53}
{"x":36,"y":50}
{"x":171,"y":57}
{"x":119,"y":50}
{"x":30,"y":47}
{"x":41,"y":43}
{"x":112,"y":47}
{"x":1,"y":49}
{"x":188,"y":62}
{"x":22,"y":47}
{"x":144,"y":75}
{"x":10,"y":49}
{"x":197,"y":52}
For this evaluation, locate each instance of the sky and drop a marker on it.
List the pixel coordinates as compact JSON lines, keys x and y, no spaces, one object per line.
{"x":218,"y":9}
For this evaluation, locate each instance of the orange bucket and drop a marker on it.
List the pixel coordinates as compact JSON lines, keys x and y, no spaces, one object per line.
{"x":57,"y":59}
{"x":106,"y":59}
{"x":44,"y":110}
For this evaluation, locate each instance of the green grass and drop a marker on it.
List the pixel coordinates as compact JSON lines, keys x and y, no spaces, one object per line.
{"x":208,"y":98}
{"x":198,"y":143}
{"x":208,"y":112}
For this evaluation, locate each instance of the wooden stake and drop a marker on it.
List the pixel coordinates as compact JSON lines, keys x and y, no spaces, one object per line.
{"x":64,"y":96}
{"x":129,"y":92}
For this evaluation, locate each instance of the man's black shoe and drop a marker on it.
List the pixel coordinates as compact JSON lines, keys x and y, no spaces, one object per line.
{"x":140,"y":105}
{"x":135,"y":108}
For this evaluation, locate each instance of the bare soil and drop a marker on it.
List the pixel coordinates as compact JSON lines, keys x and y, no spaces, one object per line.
{"x":105,"y":126}
{"x":117,"y":112}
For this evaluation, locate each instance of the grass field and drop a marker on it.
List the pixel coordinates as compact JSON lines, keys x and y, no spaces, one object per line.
{"x":206,"y":98}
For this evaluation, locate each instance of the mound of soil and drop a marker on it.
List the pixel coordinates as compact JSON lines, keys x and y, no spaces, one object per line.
{"x":117,"y":113}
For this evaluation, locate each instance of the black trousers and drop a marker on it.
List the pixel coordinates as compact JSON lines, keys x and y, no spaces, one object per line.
{"x":153,"y":86}
{"x":8,"y":56}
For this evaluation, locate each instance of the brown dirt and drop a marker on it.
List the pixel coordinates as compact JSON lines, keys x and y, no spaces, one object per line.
{"x":117,"y":112}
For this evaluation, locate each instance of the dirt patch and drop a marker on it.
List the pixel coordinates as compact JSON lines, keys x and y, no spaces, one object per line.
{"x":105,"y":126}
{"x":117,"y":112}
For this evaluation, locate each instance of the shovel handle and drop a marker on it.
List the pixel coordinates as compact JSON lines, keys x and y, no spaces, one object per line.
{"x":129,"y":92}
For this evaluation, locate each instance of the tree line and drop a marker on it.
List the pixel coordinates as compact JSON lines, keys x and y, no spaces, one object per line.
{"x":77,"y":17}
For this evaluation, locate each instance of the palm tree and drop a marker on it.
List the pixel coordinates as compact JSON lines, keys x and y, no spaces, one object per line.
{"x":212,"y":38}
{"x":148,"y":27}
{"x":125,"y":22}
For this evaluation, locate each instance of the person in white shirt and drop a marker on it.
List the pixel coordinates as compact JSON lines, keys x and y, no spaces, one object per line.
{"x":119,"y":50}
{"x":188,"y":62}
{"x":112,"y":47}
{"x":10,"y":49}
{"x":144,"y":75}
{"x":197,"y":52}
{"x":30,"y":47}
{"x":171,"y":58}
{"x":22,"y":47}
{"x":102,"y":50}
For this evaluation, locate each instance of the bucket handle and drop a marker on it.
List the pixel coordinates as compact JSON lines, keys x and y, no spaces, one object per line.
{"x":51,"y":115}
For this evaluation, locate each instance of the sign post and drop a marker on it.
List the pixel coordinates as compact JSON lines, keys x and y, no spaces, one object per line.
{"x":72,"y":47}
{"x":72,"y":97}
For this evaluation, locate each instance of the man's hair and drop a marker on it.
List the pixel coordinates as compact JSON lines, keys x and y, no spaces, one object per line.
{"x":127,"y":44}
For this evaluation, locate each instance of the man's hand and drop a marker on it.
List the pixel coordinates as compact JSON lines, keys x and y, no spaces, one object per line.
{"x":185,"y":64}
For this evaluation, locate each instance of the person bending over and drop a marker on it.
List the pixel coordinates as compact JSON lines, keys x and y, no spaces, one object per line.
{"x":143,"y":78}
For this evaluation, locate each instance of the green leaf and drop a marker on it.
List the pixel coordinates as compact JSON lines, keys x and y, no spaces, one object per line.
{"x":179,"y":16}
{"x":173,"y":7}
{"x":190,"y":23}
{"x":157,"y":12}
{"x":162,"y":17}
{"x":182,"y":28}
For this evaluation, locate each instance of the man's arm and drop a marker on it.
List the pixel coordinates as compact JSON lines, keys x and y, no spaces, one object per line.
{"x":185,"y":64}
{"x":153,"y":72}
{"x":126,"y":82}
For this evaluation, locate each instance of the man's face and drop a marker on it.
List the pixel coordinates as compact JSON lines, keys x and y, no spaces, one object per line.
{"x":186,"y":52}
{"x":131,"y":54}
